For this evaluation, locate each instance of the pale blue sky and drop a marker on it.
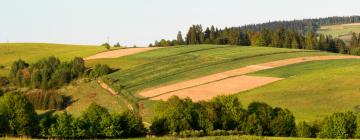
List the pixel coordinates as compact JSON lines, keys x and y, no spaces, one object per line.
{"x":142,"y":21}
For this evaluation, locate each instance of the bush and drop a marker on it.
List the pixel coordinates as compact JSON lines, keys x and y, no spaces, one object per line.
{"x":17,"y":116}
{"x":339,"y":125}
{"x":191,"y":133}
{"x":106,"y":45}
{"x":3,"y":81}
{"x":99,"y":70}
{"x":305,"y":130}
{"x":46,"y":100}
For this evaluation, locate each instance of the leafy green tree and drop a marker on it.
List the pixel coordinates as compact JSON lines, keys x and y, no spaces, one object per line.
{"x":63,"y":127}
{"x":305,"y":130}
{"x":99,"y":70}
{"x":229,"y":113}
{"x":17,"y":115}
{"x":262,"y":114}
{"x":117,"y":45}
{"x":339,"y":125}
{"x":77,"y":67}
{"x":106,"y":45}
{"x":180,"y":39}
{"x":92,"y":118}
{"x":159,"y":127}
{"x":282,"y":123}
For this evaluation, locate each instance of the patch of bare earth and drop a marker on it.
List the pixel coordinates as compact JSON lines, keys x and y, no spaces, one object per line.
{"x":119,"y":53}
{"x":228,"y":82}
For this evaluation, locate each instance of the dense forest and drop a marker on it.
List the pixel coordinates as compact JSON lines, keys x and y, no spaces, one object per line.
{"x":298,"y":34}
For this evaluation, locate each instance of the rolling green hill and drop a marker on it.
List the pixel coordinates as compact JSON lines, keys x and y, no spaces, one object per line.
{"x":311,"y":90}
{"x":169,"y":65}
{"x":31,"y":52}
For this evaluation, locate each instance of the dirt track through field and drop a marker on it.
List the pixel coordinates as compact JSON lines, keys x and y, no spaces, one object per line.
{"x":119,"y":53}
{"x":113,"y":92}
{"x":228,"y":82}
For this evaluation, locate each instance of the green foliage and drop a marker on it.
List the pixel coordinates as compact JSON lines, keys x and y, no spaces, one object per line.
{"x":305,"y":130}
{"x":282,"y":123}
{"x":47,"y":73}
{"x":117,"y":45}
{"x":106,"y":45}
{"x":224,"y":116}
{"x":4,"y":81}
{"x":18,"y":117}
{"x":99,"y":70}
{"x":92,"y":119}
{"x":339,"y":125}
{"x":63,"y":127}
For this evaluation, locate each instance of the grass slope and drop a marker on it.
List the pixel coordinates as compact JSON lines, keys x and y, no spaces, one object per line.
{"x":31,"y":52}
{"x":171,"y":65}
{"x":343,"y":31}
{"x":312,"y":90}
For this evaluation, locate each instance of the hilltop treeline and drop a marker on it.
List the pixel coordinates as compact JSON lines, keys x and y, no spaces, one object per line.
{"x":280,"y":38}
{"x":304,"y":25}
{"x":223,"y":115}
{"x":51,"y":73}
{"x":298,"y":34}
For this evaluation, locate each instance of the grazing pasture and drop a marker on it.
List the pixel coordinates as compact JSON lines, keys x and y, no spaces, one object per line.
{"x":311,"y":90}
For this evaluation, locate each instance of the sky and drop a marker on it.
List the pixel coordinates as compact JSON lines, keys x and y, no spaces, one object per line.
{"x":140,"y":22}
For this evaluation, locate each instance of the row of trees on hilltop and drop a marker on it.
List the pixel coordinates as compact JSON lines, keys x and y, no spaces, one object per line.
{"x":304,"y":25}
{"x":279,"y":37}
{"x":51,"y":73}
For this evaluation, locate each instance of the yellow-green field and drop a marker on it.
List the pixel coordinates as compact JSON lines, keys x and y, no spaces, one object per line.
{"x":311,"y":90}
{"x":343,"y":31}
{"x":31,"y":52}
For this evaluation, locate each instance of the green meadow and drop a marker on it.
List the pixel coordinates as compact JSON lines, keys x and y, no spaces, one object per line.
{"x":31,"y":52}
{"x":311,"y":90}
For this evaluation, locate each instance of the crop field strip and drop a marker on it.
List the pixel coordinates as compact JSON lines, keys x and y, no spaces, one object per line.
{"x":191,"y":63}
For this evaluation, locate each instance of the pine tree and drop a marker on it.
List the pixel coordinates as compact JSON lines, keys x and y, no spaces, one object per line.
{"x":180,"y":39}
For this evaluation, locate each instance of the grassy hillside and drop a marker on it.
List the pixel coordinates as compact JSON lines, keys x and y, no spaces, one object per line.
{"x":312,"y":90}
{"x":31,"y":52}
{"x":343,"y":31}
{"x":164,"y":66}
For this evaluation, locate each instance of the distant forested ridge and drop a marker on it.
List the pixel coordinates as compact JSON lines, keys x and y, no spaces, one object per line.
{"x":297,"y":34}
{"x":303,"y":25}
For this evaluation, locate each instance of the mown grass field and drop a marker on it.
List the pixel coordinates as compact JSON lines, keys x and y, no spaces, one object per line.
{"x":31,"y":52}
{"x":169,"y":65}
{"x":343,"y":31}
{"x":311,"y":90}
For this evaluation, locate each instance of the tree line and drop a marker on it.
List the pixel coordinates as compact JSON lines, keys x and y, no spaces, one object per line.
{"x":18,"y":118}
{"x":223,"y":115}
{"x":280,"y":38}
{"x":48,"y":75}
{"x":51,"y":73}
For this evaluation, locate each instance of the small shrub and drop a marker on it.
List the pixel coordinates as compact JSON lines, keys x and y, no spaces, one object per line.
{"x":99,"y":70}
{"x":2,"y":67}
{"x":4,"y":81}
{"x":106,"y":45}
